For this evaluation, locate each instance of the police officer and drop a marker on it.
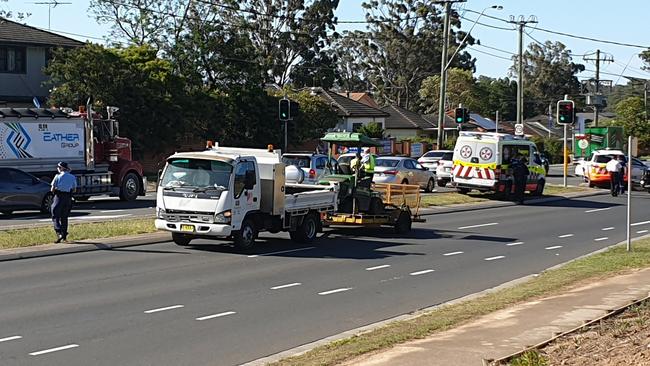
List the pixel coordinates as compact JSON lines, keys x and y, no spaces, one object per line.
{"x":520,"y":175}
{"x":368,"y":161}
{"x":63,"y":185}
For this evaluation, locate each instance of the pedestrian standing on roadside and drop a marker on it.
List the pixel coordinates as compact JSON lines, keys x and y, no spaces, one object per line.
{"x":520,"y":176}
{"x":614,"y":168}
{"x":63,"y":185}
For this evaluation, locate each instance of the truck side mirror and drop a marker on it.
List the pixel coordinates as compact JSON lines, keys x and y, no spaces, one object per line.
{"x":249,"y":180}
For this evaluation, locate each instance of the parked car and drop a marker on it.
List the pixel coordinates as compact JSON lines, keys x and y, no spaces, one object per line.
{"x":593,"y":169}
{"x":400,"y":170}
{"x":22,"y":191}
{"x":314,"y":166}
{"x":444,"y":169}
{"x":430,"y":159}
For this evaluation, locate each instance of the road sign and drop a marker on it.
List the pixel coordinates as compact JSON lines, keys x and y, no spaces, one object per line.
{"x":519,"y":129}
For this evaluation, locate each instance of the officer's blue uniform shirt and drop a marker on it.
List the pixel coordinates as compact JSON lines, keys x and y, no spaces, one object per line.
{"x":64,"y":182}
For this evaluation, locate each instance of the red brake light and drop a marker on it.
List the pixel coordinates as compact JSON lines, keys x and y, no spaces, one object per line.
{"x":312,"y":173}
{"x":391,"y":172}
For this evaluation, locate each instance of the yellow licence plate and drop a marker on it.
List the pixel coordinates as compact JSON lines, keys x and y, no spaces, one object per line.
{"x":189,"y":228}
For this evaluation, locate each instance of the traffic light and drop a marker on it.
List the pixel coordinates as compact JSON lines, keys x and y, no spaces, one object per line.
{"x":566,"y":113}
{"x":285,"y":109}
{"x":461,"y":115}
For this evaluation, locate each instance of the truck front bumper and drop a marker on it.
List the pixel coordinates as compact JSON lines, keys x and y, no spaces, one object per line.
{"x":194,"y":228}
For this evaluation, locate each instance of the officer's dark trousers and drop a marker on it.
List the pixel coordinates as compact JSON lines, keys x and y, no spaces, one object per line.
{"x":61,"y":207}
{"x":520,"y":188}
{"x":615,"y":185}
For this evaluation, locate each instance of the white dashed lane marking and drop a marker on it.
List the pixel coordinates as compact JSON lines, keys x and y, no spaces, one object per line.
{"x":565,"y":236}
{"x":642,"y":231}
{"x":216,"y":315}
{"x":12,"y":338}
{"x":378,"y":267}
{"x":607,"y":228}
{"x":598,"y":209}
{"x":553,"y":247}
{"x":421,"y":272}
{"x":640,"y":223}
{"x":479,"y":225}
{"x":335,"y":291}
{"x":38,"y":353}
{"x":495,"y":258}
{"x":452,"y":253}
{"x":515,"y":243}
{"x":601,"y":239}
{"x":163,"y":309}
{"x":286,"y":286}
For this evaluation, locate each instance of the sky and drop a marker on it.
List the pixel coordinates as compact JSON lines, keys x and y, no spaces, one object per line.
{"x":623,"y":21}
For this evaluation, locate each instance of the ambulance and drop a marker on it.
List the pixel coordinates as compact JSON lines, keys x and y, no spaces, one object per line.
{"x":482,"y":161}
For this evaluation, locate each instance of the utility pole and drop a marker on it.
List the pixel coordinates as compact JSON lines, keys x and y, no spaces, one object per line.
{"x":597,"y":100}
{"x":521,"y":23}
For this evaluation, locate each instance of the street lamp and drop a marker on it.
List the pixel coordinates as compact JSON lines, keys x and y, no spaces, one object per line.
{"x":497,"y":7}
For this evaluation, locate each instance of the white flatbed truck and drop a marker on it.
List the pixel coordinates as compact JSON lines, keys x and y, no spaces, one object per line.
{"x":229,"y":192}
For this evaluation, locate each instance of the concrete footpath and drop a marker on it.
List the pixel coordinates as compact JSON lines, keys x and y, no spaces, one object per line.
{"x":508,"y":331}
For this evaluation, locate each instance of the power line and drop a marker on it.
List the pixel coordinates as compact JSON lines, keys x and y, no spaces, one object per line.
{"x":491,"y":54}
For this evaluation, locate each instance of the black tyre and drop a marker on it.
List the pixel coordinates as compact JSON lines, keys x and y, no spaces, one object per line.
{"x":376,"y":206}
{"x":403,"y":224}
{"x":507,"y":191}
{"x":181,"y":239}
{"x":46,"y":205}
{"x":463,"y":190}
{"x":306,"y":232}
{"x":130,"y":187}
{"x":540,"y":188}
{"x":430,"y":186}
{"x":590,"y":183}
{"x":245,"y":237}
{"x":405,"y":181}
{"x":442,"y":183}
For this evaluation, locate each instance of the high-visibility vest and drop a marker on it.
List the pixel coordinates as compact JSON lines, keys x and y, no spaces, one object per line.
{"x":369,"y":164}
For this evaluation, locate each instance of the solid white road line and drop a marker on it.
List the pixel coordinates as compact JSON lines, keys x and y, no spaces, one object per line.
{"x":515,"y":243}
{"x":565,"y":236}
{"x":286,"y":286}
{"x":554,"y":247}
{"x":163,"y":309}
{"x":216,"y":315}
{"x":377,"y":267}
{"x":12,"y":338}
{"x":452,"y":253}
{"x":640,"y":223}
{"x":495,"y":258}
{"x":281,"y":252}
{"x":601,"y":239}
{"x":479,"y":225}
{"x":38,"y":353}
{"x":597,"y":209}
{"x":607,"y":228}
{"x":421,"y":272}
{"x":335,"y":291}
{"x":642,"y":231}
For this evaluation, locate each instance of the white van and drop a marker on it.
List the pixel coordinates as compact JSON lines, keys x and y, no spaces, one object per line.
{"x":482,"y":159}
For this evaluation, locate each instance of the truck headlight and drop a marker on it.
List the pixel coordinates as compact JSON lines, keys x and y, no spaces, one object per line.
{"x":161,"y":213}
{"x":223,"y":217}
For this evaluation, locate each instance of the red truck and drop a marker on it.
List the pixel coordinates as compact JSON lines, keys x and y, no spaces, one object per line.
{"x":35,"y":139}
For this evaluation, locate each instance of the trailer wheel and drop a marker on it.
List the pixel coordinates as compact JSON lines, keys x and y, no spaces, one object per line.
{"x":403,"y":224}
{"x":306,"y":232}
{"x":46,"y":205}
{"x":245,"y":237}
{"x":130,"y":187}
{"x":181,"y":239}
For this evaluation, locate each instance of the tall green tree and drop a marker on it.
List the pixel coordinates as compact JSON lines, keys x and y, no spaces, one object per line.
{"x":460,"y":89}
{"x":630,"y":114}
{"x":549,"y":74}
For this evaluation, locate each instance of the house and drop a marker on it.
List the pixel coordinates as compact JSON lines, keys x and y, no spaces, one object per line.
{"x":352,"y":114}
{"x":402,"y":123}
{"x":365,"y":98}
{"x":24,"y":52}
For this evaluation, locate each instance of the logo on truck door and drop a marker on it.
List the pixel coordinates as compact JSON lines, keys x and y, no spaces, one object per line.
{"x":18,"y":140}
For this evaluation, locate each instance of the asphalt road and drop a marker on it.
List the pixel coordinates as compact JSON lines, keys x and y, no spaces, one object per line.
{"x":95,"y":209}
{"x":209,"y":305}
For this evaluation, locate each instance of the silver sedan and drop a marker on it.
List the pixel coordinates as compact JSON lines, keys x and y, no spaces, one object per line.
{"x":400,"y":170}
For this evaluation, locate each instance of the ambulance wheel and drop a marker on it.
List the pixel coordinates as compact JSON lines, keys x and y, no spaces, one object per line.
{"x":403,"y":224}
{"x":245,"y":237}
{"x":306,"y":232}
{"x":463,"y":190}
{"x":181,"y":239}
{"x":507,"y":191}
{"x":130,"y":187}
{"x":540,"y":188}
{"x":430,"y":185}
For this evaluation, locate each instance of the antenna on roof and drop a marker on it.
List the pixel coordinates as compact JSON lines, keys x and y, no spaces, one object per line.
{"x":50,"y":5}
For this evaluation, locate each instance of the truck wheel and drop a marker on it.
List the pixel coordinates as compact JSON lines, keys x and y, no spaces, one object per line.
{"x":430,"y":186}
{"x":540,"y":188}
{"x":245,"y":237}
{"x":463,"y":190}
{"x":181,"y":239}
{"x":403,"y":224}
{"x":306,"y":232}
{"x":46,"y":205}
{"x":130,"y":187}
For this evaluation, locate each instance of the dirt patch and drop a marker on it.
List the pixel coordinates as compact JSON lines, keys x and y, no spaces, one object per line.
{"x":622,"y":340}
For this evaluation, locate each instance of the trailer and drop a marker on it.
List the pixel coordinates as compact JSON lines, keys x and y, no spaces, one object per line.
{"x":235,"y":193}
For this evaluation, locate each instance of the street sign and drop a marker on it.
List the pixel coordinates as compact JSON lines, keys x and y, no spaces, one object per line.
{"x":519,"y":129}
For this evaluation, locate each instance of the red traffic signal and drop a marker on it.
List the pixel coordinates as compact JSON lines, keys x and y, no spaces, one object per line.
{"x":566,"y":112}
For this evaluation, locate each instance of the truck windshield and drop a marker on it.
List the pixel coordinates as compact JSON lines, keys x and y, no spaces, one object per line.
{"x":196,"y":173}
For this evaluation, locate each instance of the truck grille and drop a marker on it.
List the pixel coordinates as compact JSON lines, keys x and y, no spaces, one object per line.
{"x":188,"y":216}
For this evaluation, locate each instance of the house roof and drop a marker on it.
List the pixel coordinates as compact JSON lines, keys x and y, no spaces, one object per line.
{"x":401,"y":118}
{"x":13,"y":32}
{"x":347,"y":107}
{"x":364,"y":98}
{"x":448,"y":124}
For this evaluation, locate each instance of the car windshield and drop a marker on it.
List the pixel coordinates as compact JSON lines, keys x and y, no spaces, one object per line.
{"x":447,"y":156}
{"x":345,"y":159}
{"x":196,"y":173}
{"x":299,"y":161}
{"x":603,"y":159}
{"x":389,"y":163}
{"x":434,"y":154}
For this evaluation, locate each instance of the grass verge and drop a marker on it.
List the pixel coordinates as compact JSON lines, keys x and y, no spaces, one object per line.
{"x":45,"y":235}
{"x":598,"y":266}
{"x":453,"y":198}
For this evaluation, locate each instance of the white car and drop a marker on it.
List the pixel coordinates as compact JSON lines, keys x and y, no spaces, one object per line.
{"x":594,"y":172}
{"x":430,"y":159}
{"x":444,"y":169}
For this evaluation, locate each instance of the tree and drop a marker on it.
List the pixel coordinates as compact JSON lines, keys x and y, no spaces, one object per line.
{"x":11,"y":14}
{"x":460,"y":89}
{"x":549,"y":74}
{"x":372,"y":130}
{"x":493,"y":95}
{"x":630,"y":114}
{"x":645,"y":57}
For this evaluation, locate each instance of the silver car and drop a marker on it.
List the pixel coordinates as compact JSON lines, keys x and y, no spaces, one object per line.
{"x":430,"y":159}
{"x":400,"y":170}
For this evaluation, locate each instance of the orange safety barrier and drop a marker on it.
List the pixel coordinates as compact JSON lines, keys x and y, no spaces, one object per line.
{"x":400,"y":194}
